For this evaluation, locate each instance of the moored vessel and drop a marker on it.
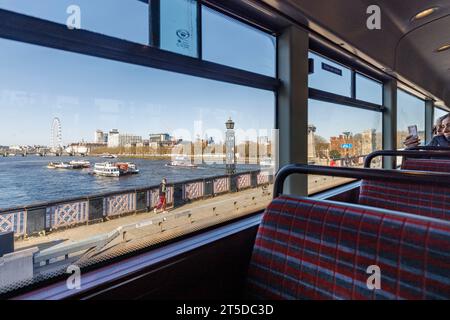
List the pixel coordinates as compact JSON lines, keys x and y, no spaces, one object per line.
{"x":108,"y":156}
{"x":106,"y":169}
{"x":109,"y":169}
{"x":59,"y":165}
{"x":80,"y":163}
{"x":182,"y":162}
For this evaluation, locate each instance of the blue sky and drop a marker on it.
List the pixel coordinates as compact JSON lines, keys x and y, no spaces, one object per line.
{"x":88,"y":93}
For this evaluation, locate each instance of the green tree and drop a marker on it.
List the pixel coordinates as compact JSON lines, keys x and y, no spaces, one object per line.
{"x":334,"y":154}
{"x":321,"y":145}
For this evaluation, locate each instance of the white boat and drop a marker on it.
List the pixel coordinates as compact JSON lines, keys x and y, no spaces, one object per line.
{"x":59,"y":165}
{"x":106,"y":169}
{"x":109,"y":169}
{"x":108,"y":156}
{"x":80,"y":163}
{"x":181,"y":162}
{"x":51,"y":165}
{"x":266,"y":162}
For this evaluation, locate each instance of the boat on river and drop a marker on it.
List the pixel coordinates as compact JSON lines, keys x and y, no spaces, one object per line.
{"x":60,"y":165}
{"x":110,"y":169}
{"x":80,"y":163}
{"x":108,"y":156}
{"x":182,"y":162}
{"x":266,"y":162}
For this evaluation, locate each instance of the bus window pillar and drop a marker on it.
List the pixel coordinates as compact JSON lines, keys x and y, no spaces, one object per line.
{"x":429,"y":120}
{"x":390,"y":121}
{"x":292,"y":104}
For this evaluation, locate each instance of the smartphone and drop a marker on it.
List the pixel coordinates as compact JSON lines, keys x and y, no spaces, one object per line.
{"x":413,"y":131}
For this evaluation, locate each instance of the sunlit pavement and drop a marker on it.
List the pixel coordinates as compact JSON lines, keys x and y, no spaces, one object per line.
{"x":194,"y":215}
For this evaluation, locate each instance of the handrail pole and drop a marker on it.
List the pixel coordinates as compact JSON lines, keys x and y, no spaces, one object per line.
{"x":359,"y":173}
{"x":437,"y":153}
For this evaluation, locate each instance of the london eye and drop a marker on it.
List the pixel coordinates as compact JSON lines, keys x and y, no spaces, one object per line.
{"x":56,"y":136}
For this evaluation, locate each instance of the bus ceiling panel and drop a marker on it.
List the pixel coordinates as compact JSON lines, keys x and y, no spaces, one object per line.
{"x":428,"y":67}
{"x":344,"y":22}
{"x":409,"y":15}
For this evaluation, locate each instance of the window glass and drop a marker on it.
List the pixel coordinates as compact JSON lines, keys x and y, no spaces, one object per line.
{"x":340,"y":136}
{"x":122,"y":19}
{"x":410,"y":112}
{"x":230,"y":42}
{"x":178,"y":27}
{"x":330,"y":76}
{"x":438,"y":112}
{"x":369,"y":90}
{"x":67,"y":135}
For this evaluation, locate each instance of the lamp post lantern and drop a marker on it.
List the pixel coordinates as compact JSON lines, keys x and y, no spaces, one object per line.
{"x":230,"y":147}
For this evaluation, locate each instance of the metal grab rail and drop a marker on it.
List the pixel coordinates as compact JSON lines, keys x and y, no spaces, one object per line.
{"x":429,"y":148}
{"x":359,"y":173}
{"x":437,"y":153}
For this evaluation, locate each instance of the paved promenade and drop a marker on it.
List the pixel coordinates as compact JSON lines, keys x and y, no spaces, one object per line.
{"x":150,"y":225}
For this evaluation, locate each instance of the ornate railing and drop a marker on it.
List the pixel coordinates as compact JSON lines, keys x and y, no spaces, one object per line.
{"x":51,"y":216}
{"x":221,"y":185}
{"x":244,"y":181}
{"x":193,"y":190}
{"x":120,"y":204}
{"x":67,"y":214}
{"x":14,"y":221}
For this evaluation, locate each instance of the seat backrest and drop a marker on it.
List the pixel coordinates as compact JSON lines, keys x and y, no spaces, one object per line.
{"x":421,"y":199}
{"x":434,"y":165}
{"x":316,"y":249}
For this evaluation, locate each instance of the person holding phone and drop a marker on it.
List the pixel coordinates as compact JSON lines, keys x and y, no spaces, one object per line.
{"x":413,"y":140}
{"x":443,"y":139}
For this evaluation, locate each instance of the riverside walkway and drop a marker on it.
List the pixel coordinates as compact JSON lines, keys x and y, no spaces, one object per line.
{"x":149,"y":226}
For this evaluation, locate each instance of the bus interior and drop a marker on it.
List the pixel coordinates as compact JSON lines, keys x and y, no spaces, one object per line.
{"x":346,"y":208}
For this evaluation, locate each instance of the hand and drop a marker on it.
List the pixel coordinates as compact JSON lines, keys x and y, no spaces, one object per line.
{"x":411,"y":141}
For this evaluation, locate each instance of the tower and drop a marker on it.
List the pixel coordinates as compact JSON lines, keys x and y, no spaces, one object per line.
{"x":230,"y":145}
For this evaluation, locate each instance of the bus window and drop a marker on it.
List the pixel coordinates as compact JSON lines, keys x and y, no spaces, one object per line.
{"x":438,"y":112}
{"x":126,"y":20}
{"x":340,"y":136}
{"x":256,"y":49}
{"x":126,"y":147}
{"x":369,"y":90}
{"x":410,"y":111}
{"x":330,"y":76}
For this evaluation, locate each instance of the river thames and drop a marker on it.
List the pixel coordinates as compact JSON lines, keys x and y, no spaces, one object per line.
{"x":27,"y":180}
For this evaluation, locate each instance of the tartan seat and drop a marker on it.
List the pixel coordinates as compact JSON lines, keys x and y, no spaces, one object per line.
{"x":421,"y":199}
{"x":435,"y":165}
{"x":317,"y":249}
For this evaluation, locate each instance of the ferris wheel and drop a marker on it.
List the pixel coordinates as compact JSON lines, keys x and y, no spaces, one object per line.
{"x":56,"y":136}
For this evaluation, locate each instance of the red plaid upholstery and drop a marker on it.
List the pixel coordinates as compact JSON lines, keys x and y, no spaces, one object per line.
{"x":422,"y":199}
{"x":314,"y":249}
{"x":427,"y":165}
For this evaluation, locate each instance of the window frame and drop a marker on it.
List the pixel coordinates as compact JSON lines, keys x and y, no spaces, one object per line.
{"x":36,"y":31}
{"x":351,"y":101}
{"x":441,"y":109}
{"x":409,"y":93}
{"x":355,"y":87}
{"x":325,"y":96}
{"x":32,"y":30}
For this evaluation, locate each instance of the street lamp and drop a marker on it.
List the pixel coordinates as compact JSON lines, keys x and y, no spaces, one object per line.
{"x":230,"y":147}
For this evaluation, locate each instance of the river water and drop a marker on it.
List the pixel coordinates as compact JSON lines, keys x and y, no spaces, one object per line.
{"x":27,"y":180}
